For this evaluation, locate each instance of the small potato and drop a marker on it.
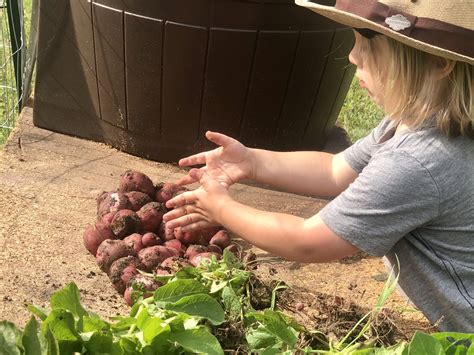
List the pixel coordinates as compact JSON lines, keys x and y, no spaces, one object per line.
{"x":150,"y":239}
{"x":132,"y":180}
{"x":151,"y":216}
{"x":122,"y":270}
{"x":214,"y":248}
{"x":197,"y":259}
{"x":135,"y":241}
{"x":161,"y":272}
{"x":144,"y":286}
{"x":174,"y":263}
{"x":165,"y":233}
{"x":221,"y":239}
{"x":110,"y":250}
{"x":175,"y":244}
{"x":153,"y":256}
{"x":124,"y":223}
{"x":188,"y":238}
{"x":112,"y":201}
{"x":137,"y":199}
{"x":194,"y":250}
{"x":165,"y":191}
{"x":234,"y":249}
{"x":92,"y":239}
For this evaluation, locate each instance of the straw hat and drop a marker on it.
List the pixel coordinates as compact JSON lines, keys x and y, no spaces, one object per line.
{"x":441,"y":27}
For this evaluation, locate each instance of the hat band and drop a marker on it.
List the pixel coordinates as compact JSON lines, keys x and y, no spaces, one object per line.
{"x":430,"y":31}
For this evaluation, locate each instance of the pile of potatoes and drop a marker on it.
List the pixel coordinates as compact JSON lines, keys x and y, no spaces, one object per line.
{"x":130,"y":235}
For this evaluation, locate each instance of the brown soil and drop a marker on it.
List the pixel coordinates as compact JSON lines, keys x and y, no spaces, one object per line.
{"x":48,"y":185}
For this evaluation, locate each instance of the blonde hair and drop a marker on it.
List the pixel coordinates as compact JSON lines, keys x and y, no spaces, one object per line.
{"x":420,"y":86}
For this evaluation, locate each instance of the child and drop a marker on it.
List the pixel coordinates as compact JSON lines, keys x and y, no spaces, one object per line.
{"x":405,"y":191}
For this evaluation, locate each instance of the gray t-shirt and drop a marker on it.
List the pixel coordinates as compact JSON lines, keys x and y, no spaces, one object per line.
{"x":414,"y":198}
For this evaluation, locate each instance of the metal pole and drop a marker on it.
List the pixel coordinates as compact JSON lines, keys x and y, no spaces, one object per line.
{"x":15,"y":22}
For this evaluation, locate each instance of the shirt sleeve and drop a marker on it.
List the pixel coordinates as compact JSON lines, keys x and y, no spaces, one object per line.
{"x":359,"y":154}
{"x":392,"y":196}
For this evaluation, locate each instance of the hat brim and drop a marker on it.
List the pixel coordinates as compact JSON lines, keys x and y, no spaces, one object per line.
{"x":352,"y":20}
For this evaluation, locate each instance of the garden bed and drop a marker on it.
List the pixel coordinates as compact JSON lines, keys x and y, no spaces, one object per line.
{"x":48,"y":187}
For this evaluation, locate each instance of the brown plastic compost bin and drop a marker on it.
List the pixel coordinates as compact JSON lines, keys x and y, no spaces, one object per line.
{"x":150,"y":77}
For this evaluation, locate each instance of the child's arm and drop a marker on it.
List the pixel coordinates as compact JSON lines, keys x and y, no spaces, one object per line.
{"x":288,"y":236}
{"x":309,"y":173}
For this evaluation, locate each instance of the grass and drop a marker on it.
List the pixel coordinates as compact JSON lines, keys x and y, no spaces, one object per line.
{"x":8,"y":91}
{"x":358,"y":114}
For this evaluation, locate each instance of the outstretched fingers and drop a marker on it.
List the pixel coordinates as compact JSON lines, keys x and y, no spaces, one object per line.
{"x":187,"y":221}
{"x":219,"y":138}
{"x":199,"y":158}
{"x":186,"y":198}
{"x":189,"y":178}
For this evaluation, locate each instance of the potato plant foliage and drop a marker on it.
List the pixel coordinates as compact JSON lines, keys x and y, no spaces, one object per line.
{"x":183,"y":316}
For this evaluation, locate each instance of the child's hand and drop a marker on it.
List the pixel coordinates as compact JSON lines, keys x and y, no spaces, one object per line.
{"x":200,"y":208}
{"x":228,"y":164}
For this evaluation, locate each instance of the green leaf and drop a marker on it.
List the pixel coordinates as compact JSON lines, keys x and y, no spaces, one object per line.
{"x":123,"y":323}
{"x":33,"y":339}
{"x":68,"y":298}
{"x":150,"y":326}
{"x":62,"y":325}
{"x":230,"y":260}
{"x":232,"y":303}
{"x":53,"y":346}
{"x":90,"y":324}
{"x":38,"y":311}
{"x":260,"y":338}
{"x":278,"y":325}
{"x":198,"y":340}
{"x":200,"y":305}
{"x":10,"y":337}
{"x":188,"y":272}
{"x":455,"y":343}
{"x":97,"y":342}
{"x":175,"y":290}
{"x":425,"y":344}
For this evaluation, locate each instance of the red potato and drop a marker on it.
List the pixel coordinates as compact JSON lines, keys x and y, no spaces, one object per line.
{"x":161,"y":272}
{"x":111,"y":202}
{"x":151,"y":216}
{"x":122,"y":270}
{"x":214,"y":248}
{"x":103,"y":226}
{"x":124,"y":223}
{"x":132,"y":180}
{"x":234,"y":248}
{"x":92,"y":239}
{"x":165,"y":191}
{"x":110,"y":250}
{"x":194,"y":250}
{"x":151,"y":257}
{"x":137,"y":199}
{"x":221,"y":239}
{"x":165,"y":233}
{"x":135,"y":241}
{"x":175,"y":244}
{"x":173,"y":264}
{"x":188,"y":238}
{"x":197,"y":259}
{"x":140,"y":285}
{"x":208,"y":233}
{"x":150,"y":239}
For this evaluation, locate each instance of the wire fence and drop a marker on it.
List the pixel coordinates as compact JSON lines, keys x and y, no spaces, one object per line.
{"x":18,"y":38}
